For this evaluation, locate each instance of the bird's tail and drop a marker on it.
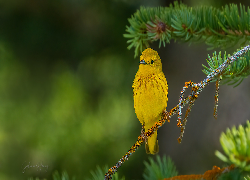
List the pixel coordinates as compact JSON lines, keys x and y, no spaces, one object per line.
{"x":151,"y":145}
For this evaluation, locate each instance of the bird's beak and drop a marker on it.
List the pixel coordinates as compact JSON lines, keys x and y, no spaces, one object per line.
{"x":142,"y":62}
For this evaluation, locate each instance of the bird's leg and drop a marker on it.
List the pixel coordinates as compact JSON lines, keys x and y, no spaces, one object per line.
{"x":166,"y":116}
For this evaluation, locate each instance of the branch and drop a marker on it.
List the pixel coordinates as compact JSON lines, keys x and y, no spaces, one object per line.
{"x":235,"y":73}
{"x":196,"y":90}
{"x":218,"y":28}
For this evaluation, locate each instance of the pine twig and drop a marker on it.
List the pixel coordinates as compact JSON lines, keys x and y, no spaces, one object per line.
{"x":216,"y":27}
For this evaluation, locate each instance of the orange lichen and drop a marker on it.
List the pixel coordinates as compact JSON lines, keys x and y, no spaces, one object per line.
{"x":208,"y":175}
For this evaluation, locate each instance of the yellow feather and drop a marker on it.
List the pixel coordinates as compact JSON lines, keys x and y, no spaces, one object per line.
{"x":150,"y":94}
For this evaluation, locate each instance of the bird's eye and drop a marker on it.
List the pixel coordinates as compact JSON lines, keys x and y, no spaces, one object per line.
{"x":152,"y":61}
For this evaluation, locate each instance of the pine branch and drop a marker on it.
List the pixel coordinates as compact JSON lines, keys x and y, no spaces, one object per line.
{"x":163,"y":168}
{"x":235,"y":73}
{"x":98,"y":174}
{"x":217,"y":28}
{"x":236,"y":145}
{"x":225,"y":173}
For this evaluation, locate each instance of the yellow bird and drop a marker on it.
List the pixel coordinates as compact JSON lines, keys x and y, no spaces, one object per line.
{"x":150,"y":94}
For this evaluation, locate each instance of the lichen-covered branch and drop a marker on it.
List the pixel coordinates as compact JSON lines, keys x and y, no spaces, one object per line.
{"x":196,"y":90}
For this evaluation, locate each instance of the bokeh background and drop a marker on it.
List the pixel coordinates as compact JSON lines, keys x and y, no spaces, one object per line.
{"x":66,"y":98}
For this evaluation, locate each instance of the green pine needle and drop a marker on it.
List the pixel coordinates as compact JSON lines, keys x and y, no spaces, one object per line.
{"x":247,"y":178}
{"x":234,"y":73}
{"x":159,"y":169}
{"x":216,"y":27}
{"x":236,"y":146}
{"x":99,"y":173}
{"x":232,"y":175}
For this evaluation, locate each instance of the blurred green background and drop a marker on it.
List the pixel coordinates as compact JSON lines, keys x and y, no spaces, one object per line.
{"x":66,"y":98}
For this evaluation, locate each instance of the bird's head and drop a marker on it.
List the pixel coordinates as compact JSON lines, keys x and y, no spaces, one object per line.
{"x":150,"y":61}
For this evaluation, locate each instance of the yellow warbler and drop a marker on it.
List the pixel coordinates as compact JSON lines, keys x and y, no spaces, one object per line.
{"x":150,"y":94}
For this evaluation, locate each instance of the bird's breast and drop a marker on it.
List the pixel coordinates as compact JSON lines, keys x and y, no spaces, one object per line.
{"x":150,"y":97}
